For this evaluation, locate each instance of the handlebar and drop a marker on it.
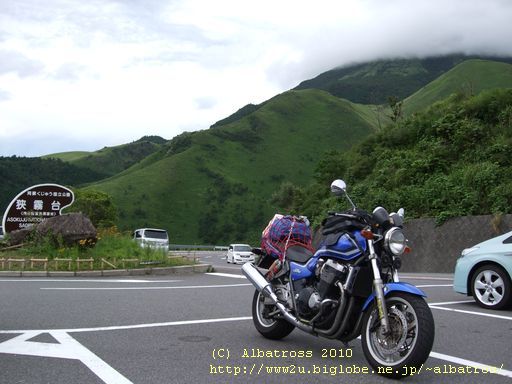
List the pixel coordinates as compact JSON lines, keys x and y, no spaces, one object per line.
{"x":347,"y":215}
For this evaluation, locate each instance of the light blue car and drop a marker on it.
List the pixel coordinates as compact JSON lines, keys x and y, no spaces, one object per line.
{"x":484,"y":271}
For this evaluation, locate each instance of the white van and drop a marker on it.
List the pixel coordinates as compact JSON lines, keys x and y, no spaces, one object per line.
{"x":152,"y":237}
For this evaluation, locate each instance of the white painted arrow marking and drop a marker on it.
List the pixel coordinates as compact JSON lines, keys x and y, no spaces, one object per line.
{"x":68,"y":348}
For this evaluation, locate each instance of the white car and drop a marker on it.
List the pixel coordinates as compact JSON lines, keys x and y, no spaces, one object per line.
{"x":152,"y":238}
{"x":239,"y":254}
{"x":484,"y":271}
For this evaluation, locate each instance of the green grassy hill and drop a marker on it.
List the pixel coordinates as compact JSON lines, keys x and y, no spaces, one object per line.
{"x":67,"y":156}
{"x":72,"y":168}
{"x":468,"y":78}
{"x":214,"y":186}
{"x":374,"y":82}
{"x":19,"y":173}
{"x":110,"y":161}
{"x":452,"y":159}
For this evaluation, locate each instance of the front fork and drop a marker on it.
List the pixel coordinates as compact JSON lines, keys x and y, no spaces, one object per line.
{"x":378,"y":286}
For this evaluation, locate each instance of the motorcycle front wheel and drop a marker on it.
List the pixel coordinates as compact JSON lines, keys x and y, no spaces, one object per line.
{"x":402,"y":351}
{"x":265,"y":322}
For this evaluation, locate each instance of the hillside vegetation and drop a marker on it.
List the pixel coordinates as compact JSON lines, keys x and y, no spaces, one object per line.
{"x":19,"y":173}
{"x":110,"y":161}
{"x":468,"y":78}
{"x":375,"y":82}
{"x":215,"y":186}
{"x":223,"y":184}
{"x":450,"y":160}
{"x":67,"y":156}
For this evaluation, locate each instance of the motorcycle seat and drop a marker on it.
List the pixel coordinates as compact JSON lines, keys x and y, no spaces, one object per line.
{"x":298,"y":254}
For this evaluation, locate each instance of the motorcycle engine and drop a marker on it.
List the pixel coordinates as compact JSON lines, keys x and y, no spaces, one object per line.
{"x":330,"y":272}
{"x":308,"y":302}
{"x":309,"y":298}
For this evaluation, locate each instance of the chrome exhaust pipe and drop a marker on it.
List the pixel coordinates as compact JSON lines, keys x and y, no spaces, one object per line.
{"x":258,"y":280}
{"x":263,"y":286}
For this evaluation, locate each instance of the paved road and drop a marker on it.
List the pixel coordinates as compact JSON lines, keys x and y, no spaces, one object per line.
{"x":180,"y":329}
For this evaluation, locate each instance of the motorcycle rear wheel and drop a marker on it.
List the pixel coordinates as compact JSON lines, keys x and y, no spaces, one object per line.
{"x":269,"y":327}
{"x":402,"y":352}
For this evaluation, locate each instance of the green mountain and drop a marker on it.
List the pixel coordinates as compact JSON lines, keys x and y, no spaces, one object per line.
{"x":452,"y":159}
{"x":19,"y":173}
{"x":220,"y":185}
{"x":67,"y":156}
{"x":215,"y":186}
{"x":109,"y":161}
{"x":374,"y":82}
{"x":468,"y":78}
{"x":71,"y":168}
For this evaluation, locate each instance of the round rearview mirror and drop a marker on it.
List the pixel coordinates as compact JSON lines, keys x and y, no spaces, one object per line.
{"x":338,"y":187}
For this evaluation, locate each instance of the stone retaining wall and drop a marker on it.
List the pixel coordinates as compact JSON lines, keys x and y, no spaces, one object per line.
{"x":437,"y":248}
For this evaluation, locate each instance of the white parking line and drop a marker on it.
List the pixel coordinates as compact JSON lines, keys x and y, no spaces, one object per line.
{"x":109,"y":375}
{"x":471,"y":312}
{"x":466,"y":363}
{"x":453,"y":302}
{"x":78,"y":280}
{"x":474,"y":364}
{"x":134,"y":326}
{"x":67,"y":348}
{"x":226,"y":275}
{"x":139,"y":288}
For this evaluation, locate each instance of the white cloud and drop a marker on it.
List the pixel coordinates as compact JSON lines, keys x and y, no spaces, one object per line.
{"x":81,"y":75}
{"x":4,"y":95}
{"x":15,"y":62}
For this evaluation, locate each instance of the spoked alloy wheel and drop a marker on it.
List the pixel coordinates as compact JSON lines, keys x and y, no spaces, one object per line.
{"x":409,"y":341}
{"x":269,"y":327}
{"x":491,"y":287}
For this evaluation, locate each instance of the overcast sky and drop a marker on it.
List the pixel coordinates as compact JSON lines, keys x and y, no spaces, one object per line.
{"x":81,"y":75}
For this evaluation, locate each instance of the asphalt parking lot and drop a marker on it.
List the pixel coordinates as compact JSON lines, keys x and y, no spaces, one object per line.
{"x":197,"y":328}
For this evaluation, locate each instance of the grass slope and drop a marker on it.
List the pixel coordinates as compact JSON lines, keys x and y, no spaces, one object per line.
{"x":374,"y":82}
{"x":215,"y":185}
{"x":452,"y":159}
{"x":67,"y":156}
{"x":110,"y":161}
{"x":468,"y":78}
{"x":19,"y":173}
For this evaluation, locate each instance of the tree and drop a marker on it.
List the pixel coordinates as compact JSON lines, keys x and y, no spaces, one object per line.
{"x":284,"y":197}
{"x":396,"y":108}
{"x":96,"y":205}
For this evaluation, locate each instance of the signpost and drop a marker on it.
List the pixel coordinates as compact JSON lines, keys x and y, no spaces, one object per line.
{"x":35,"y":204}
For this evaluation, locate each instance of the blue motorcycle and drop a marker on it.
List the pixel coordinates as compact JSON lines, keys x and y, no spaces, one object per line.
{"x":348,"y":287}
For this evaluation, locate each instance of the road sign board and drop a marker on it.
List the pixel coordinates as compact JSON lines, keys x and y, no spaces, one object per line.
{"x":35,"y":204}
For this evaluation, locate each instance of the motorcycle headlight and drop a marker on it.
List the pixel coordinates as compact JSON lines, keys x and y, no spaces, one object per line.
{"x":395,"y":241}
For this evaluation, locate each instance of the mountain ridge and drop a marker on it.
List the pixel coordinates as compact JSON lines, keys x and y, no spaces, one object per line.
{"x":400,"y":78}
{"x":216,"y":185}
{"x":235,"y":168}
